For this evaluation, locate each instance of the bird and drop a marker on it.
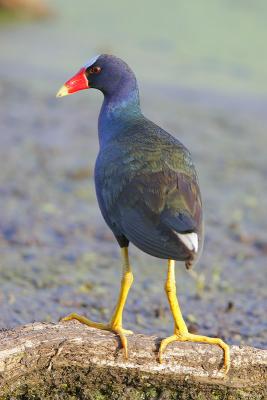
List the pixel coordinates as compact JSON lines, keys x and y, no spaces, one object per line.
{"x":147,"y":190}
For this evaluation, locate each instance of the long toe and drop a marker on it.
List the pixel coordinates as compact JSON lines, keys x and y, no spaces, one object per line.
{"x":85,"y":321}
{"x":164,"y":343}
{"x":197,"y":338}
{"x":106,"y":327}
{"x":217,"y":341}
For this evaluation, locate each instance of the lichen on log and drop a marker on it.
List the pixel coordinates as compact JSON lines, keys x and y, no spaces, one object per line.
{"x":71,"y":361}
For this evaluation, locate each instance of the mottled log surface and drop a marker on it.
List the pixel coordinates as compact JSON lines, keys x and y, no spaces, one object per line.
{"x":71,"y":361}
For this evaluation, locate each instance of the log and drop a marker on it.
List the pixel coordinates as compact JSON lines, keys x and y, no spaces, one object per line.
{"x":71,"y":361}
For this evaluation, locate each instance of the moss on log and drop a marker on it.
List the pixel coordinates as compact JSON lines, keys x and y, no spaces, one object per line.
{"x":70,"y":361}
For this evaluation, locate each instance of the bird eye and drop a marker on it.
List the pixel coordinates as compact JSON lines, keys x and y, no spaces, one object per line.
{"x":94,"y":70}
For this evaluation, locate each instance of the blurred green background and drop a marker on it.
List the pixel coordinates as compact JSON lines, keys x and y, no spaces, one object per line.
{"x":202,"y":71}
{"x":207,"y":44}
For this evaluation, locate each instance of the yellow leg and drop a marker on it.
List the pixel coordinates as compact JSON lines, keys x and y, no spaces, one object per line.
{"x":115,"y":324}
{"x":180,"y":329}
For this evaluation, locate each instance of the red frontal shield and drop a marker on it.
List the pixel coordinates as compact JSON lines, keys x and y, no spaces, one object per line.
{"x":74,"y":84}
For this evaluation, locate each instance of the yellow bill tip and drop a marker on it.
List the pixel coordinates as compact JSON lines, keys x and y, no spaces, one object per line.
{"x":63,"y":91}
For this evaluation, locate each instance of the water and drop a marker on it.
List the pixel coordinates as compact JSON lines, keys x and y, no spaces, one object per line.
{"x":202,"y":73}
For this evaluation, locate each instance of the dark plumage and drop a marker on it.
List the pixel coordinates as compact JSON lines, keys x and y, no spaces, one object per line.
{"x":147,"y":189}
{"x":146,"y":183}
{"x":146,"y":186}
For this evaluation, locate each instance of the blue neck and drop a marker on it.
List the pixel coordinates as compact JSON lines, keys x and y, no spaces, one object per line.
{"x":118,"y":110}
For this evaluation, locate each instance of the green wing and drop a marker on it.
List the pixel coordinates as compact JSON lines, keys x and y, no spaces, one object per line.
{"x":150,"y":190}
{"x":155,"y":175}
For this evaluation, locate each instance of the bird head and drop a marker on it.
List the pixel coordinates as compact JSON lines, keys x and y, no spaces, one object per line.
{"x":104,"y":72}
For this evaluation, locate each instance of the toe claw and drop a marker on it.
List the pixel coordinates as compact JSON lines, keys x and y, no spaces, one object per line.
{"x":124,"y":344}
{"x":197,"y":338}
{"x":160,"y":357}
{"x":225,"y":368}
{"x":161,"y":351}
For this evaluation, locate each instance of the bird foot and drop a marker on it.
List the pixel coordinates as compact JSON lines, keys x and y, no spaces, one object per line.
{"x":116,"y":328}
{"x":189,"y":337}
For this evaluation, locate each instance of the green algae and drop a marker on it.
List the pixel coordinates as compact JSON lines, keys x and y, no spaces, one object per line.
{"x":129,"y":393}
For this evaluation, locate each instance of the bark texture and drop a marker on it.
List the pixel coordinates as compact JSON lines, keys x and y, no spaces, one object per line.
{"x":70,"y":361}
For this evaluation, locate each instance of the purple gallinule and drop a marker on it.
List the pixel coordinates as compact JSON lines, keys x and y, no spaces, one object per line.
{"x":147,"y":189}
